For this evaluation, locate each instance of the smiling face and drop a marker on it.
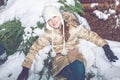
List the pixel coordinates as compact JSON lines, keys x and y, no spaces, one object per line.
{"x":54,"y":22}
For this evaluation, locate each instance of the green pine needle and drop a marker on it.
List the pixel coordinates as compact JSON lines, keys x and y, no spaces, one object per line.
{"x":67,"y":7}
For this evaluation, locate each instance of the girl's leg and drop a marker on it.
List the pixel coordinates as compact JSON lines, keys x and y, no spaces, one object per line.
{"x":74,"y":71}
{"x":78,"y":70}
{"x":67,"y":73}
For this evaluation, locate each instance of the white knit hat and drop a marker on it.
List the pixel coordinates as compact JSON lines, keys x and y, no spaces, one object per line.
{"x":49,"y":12}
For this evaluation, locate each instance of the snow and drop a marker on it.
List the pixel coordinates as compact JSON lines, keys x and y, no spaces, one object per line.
{"x":12,"y":67}
{"x":101,"y":15}
{"x":29,"y":12}
{"x":39,"y":60}
{"x":112,"y":11}
{"x":109,"y":70}
{"x":104,"y":15}
{"x":117,"y":2}
{"x":118,"y":21}
{"x":3,"y":56}
{"x":93,"y":5}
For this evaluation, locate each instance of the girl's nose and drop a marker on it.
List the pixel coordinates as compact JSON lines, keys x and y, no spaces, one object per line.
{"x":53,"y":21}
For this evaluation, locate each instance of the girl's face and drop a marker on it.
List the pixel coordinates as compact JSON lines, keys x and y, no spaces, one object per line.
{"x":54,"y":22}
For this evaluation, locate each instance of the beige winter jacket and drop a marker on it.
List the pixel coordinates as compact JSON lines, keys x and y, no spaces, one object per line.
{"x":60,"y":61}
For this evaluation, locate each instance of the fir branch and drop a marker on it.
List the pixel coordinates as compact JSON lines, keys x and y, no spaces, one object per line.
{"x":11,"y":35}
{"x":67,"y":7}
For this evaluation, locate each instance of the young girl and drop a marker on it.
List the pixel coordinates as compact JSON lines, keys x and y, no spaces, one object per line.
{"x":63,"y":32}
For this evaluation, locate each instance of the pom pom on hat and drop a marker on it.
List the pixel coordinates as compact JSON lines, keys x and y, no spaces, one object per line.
{"x":64,"y":51}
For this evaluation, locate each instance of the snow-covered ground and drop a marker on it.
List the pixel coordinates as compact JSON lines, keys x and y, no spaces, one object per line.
{"x":29,"y":12}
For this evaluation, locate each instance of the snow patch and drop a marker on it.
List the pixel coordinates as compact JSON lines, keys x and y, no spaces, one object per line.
{"x":3,"y":56}
{"x":12,"y":67}
{"x":101,"y":15}
{"x":93,"y":5}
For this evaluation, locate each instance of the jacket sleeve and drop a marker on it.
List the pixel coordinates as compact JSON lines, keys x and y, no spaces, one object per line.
{"x":91,"y":36}
{"x":40,"y":43}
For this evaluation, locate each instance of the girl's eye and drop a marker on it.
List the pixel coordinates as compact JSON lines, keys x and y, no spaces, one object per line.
{"x":54,"y":16}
